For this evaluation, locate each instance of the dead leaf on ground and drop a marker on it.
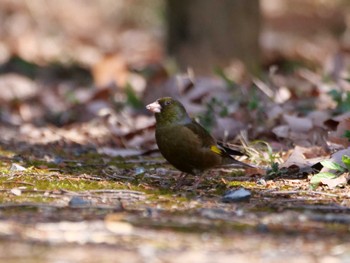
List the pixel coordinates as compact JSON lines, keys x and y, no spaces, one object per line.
{"x":299,"y":157}
{"x":334,"y":182}
{"x":337,"y":156}
{"x":337,"y":136}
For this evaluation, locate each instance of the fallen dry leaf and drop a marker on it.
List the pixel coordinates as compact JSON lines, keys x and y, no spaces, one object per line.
{"x":337,"y":136}
{"x":299,"y":158}
{"x":338,"y":181}
{"x":337,"y":156}
{"x":298,"y":124}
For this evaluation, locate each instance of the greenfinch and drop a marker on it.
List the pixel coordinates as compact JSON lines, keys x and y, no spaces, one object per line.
{"x":184,"y":143}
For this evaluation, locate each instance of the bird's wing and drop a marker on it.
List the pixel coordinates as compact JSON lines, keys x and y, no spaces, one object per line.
{"x":230,"y":150}
{"x":209,"y":144}
{"x":205,"y":139}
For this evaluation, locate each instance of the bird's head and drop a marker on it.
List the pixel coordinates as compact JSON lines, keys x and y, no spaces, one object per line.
{"x":169,"y":111}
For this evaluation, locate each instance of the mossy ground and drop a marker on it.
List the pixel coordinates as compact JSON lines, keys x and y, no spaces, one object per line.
{"x":145,"y":192}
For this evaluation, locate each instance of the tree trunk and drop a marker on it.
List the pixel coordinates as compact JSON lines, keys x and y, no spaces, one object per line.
{"x":203,"y":34}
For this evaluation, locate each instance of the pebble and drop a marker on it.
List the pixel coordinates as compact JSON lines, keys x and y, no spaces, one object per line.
{"x":17,"y":168}
{"x":231,"y":196}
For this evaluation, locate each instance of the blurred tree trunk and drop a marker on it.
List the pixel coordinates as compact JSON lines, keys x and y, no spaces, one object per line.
{"x":207,"y":33}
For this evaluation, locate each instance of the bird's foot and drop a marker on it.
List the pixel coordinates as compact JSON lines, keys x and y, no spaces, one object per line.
{"x":197,"y":182}
{"x":180,"y":181}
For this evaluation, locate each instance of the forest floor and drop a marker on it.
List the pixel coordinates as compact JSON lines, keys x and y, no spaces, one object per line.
{"x":72,"y":204}
{"x":81,"y":179}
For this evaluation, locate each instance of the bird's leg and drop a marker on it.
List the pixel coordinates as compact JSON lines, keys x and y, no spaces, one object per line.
{"x":180,"y":180}
{"x":197,"y":182}
{"x":200,"y":178}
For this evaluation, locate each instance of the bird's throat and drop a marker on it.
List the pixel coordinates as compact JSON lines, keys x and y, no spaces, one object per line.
{"x":172,"y":118}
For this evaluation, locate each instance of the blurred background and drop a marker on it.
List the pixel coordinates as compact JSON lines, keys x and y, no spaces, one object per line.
{"x":59,"y":59}
{"x":77,"y":146}
{"x":141,"y":32}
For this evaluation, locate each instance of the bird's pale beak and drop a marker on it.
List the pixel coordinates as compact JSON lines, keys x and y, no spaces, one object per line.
{"x":154,"y":107}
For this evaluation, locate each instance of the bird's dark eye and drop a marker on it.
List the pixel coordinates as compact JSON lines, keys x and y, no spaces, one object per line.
{"x":167,"y":102}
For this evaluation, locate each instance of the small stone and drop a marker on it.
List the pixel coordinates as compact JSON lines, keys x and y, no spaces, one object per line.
{"x":77,"y":201}
{"x":139,"y":170}
{"x":58,"y":160}
{"x":17,"y":168}
{"x":16,"y":191}
{"x":239,"y":195}
{"x":261,"y":182}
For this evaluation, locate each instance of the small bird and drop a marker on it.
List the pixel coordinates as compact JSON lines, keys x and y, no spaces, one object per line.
{"x":184,"y":143}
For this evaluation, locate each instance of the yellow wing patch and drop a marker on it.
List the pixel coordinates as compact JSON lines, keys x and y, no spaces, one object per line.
{"x":216,"y":149}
